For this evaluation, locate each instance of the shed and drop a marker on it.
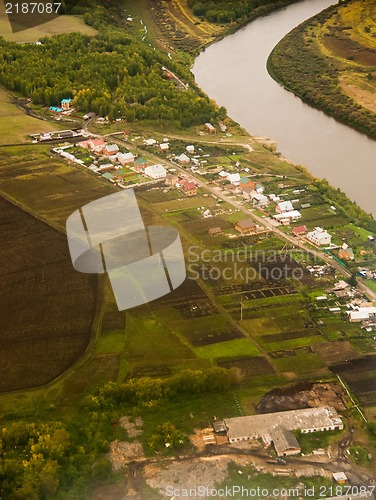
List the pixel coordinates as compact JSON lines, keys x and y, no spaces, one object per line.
{"x":215,"y":231}
{"x":285,"y":443}
{"x":340,"y":477}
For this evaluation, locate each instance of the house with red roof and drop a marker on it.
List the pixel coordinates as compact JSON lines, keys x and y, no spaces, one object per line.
{"x":299,"y":231}
{"x":190,"y":188}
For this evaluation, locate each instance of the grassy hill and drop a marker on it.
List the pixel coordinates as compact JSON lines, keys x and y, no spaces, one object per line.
{"x":330,"y":62}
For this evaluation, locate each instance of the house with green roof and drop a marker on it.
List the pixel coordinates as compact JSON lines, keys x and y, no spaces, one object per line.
{"x":140,"y":163}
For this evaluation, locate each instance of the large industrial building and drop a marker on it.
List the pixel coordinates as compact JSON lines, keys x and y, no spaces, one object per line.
{"x":277,"y":427}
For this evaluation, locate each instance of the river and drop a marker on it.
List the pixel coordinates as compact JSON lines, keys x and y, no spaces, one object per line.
{"x":233,"y":73}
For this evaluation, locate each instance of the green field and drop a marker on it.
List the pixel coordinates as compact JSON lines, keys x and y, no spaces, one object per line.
{"x":62,"y":24}
{"x":15,"y":124}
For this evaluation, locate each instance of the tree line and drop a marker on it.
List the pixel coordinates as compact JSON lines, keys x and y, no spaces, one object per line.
{"x":227,"y":11}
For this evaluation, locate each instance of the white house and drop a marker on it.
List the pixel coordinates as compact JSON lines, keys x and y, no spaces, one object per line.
{"x":292,"y":215}
{"x":183,"y":158}
{"x":125,"y":158}
{"x":156,"y":171}
{"x":164,"y":146}
{"x":234,"y":179}
{"x":284,"y":206}
{"x":190,"y":149}
{"x":258,"y":198}
{"x":362,"y":314}
{"x":319,"y":237}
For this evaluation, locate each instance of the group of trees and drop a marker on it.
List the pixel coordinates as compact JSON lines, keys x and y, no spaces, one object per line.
{"x":59,"y":459}
{"x":227,"y":11}
{"x":350,"y":209}
{"x":111,"y":74}
{"x":148,"y":392}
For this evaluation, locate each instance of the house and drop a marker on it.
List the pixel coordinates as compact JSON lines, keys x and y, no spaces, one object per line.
{"x":287,"y":217}
{"x":247,"y":191}
{"x":190,"y":188}
{"x":88,"y":116}
{"x":299,"y":230}
{"x":340,"y":477}
{"x":140,"y":163}
{"x":362,"y":314}
{"x":125,"y":158}
{"x":214,"y":231}
{"x":171,"y":180}
{"x":55,"y":109}
{"x":183,"y":158}
{"x":246,"y":227}
{"x":319,"y":237}
{"x":190,"y":149}
{"x":96,"y":145}
{"x":259,"y":199}
{"x":156,"y":171}
{"x":210,"y":128}
{"x":110,"y":149}
{"x":66,"y":104}
{"x":346,"y":254}
{"x":284,"y":206}
{"x":259,"y":188}
{"x":164,"y":146}
{"x":234,"y":179}
{"x":66,"y":134}
{"x":264,"y":425}
{"x":222,"y":126}
{"x":285,"y":443}
{"x":246,"y":182}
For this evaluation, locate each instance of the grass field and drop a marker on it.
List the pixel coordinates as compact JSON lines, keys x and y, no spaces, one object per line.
{"x":62,"y":24}
{"x":15,"y":124}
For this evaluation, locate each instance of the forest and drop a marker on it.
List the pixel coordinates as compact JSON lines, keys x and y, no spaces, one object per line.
{"x":226,"y":11}
{"x":111,"y":74}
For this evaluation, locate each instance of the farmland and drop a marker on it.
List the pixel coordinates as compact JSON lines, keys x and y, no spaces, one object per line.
{"x":47,"y":309}
{"x":61,"y":24}
{"x":15,"y":125}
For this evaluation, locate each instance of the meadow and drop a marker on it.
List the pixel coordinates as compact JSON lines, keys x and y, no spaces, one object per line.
{"x":57,"y":26}
{"x":15,"y":124}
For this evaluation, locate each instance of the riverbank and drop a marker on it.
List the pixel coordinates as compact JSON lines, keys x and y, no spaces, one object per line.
{"x":330,"y":65}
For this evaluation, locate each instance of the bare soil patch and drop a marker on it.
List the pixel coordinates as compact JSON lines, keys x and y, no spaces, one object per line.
{"x":303,"y":395}
{"x":123,"y":452}
{"x":350,"y":49}
{"x":335,"y":352}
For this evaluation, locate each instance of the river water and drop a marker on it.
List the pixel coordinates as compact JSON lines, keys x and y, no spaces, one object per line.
{"x":233,"y":73}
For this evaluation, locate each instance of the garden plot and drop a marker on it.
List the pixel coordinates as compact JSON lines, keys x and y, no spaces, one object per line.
{"x":250,"y":366}
{"x":336,"y":352}
{"x":205,"y":331}
{"x":359,"y":375}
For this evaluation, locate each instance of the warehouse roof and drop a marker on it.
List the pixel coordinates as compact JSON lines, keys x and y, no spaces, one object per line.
{"x":265,"y":424}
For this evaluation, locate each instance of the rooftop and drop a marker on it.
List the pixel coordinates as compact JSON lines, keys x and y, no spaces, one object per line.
{"x":245,"y":223}
{"x":265,"y":424}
